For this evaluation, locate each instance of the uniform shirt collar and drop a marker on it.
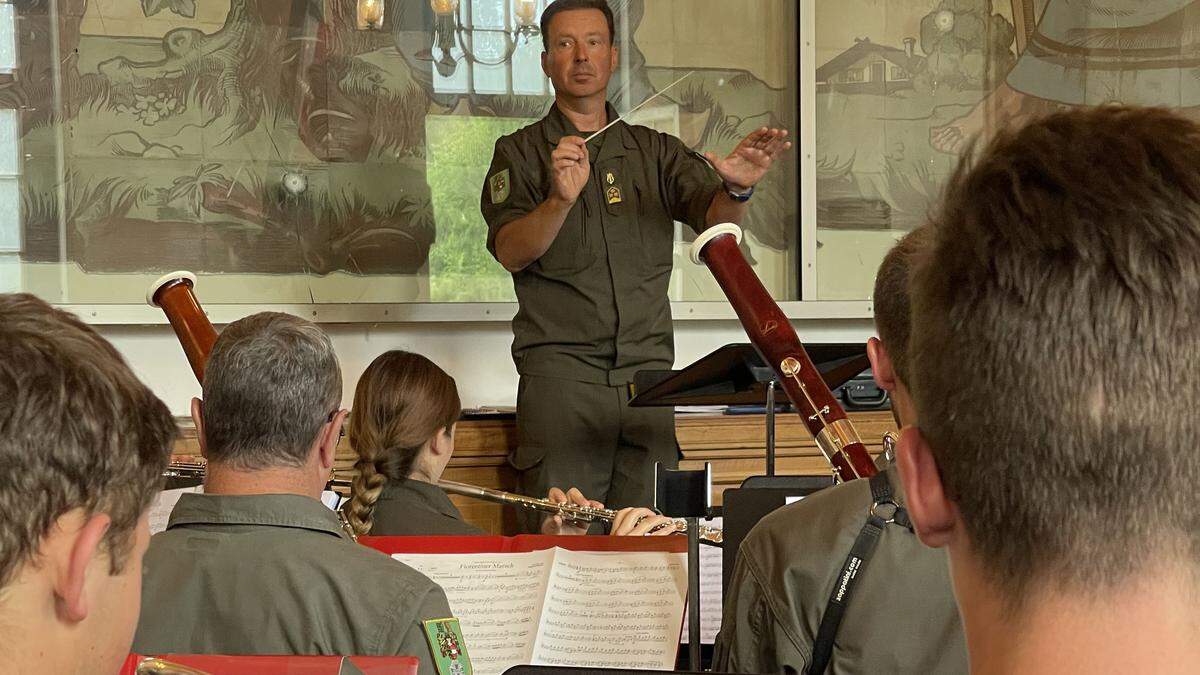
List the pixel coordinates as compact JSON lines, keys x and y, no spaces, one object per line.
{"x":276,"y":510}
{"x":432,"y":495}
{"x":612,"y":143}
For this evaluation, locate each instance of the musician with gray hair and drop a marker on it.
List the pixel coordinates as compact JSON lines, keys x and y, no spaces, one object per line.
{"x":580,"y":209}
{"x":257,"y":564}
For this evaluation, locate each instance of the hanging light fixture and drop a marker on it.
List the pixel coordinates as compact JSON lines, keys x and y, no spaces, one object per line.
{"x":448,"y":30}
{"x":526,"y":13}
{"x":369,"y":15}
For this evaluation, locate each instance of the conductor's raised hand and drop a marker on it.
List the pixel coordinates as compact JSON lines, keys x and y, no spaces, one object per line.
{"x":570,"y":166}
{"x":640,"y":522}
{"x":751,"y":159}
{"x":557,"y":524}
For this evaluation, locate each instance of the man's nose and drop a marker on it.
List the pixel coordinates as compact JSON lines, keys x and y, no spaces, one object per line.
{"x":581,"y":54}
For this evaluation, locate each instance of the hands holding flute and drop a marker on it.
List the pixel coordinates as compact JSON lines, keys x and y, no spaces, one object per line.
{"x":629,"y":522}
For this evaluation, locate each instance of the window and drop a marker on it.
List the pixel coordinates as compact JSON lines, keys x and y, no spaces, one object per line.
{"x":361,"y":183}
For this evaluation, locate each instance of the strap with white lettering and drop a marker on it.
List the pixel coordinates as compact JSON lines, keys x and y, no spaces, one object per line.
{"x":852,"y":569}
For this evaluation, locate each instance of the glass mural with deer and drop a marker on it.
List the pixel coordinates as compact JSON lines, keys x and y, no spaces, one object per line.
{"x":299,"y":151}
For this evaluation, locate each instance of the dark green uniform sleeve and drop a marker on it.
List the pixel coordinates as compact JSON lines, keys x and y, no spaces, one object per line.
{"x":689,"y":183}
{"x":406,"y":636}
{"x":751,"y":639}
{"x":508,"y":191}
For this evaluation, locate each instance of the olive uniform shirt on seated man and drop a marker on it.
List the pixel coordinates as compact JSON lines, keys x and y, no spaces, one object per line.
{"x":414,"y":507}
{"x":901,"y":616}
{"x":594,"y":309}
{"x":276,"y":574}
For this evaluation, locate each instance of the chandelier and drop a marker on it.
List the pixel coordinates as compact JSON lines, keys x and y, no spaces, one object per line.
{"x":451,"y":32}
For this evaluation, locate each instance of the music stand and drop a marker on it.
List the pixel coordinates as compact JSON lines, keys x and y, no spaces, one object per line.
{"x":735,"y":374}
{"x":687,"y":494}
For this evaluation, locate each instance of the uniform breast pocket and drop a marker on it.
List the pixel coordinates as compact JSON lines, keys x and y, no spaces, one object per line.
{"x":570,"y":251}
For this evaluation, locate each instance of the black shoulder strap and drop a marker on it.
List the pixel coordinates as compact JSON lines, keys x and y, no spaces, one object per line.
{"x":883,"y":510}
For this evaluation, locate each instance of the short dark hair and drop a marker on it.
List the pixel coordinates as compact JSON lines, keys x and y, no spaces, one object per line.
{"x":269,"y":386}
{"x":77,"y":431}
{"x":891,"y":297}
{"x":567,"y":5}
{"x":1054,"y":348}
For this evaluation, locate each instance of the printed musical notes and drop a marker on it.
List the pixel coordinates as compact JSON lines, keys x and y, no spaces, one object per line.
{"x":557,"y":607}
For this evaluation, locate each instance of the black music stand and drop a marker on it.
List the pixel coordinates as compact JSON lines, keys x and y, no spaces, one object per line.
{"x":736,"y":375}
{"x":687,"y":494}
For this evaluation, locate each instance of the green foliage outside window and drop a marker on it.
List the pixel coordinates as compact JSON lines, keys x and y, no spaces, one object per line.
{"x":458,"y":156}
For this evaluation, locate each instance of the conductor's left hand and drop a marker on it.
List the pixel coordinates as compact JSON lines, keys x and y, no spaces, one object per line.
{"x":751,"y":159}
{"x":555,"y":524}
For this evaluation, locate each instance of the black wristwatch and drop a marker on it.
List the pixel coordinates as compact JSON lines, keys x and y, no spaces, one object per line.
{"x":739,"y":196}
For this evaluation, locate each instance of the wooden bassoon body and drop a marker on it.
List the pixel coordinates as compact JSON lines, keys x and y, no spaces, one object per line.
{"x":773,"y":336}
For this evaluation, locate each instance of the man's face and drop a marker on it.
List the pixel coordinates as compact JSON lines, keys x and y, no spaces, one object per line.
{"x":117,"y":601}
{"x":581,"y":57}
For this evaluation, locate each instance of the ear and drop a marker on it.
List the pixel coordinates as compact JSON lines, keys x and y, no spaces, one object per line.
{"x":442,"y":442}
{"x":198,"y":420}
{"x":616,"y":57}
{"x":934,"y":516}
{"x":70,"y":587}
{"x":546,"y":64}
{"x":329,"y":439}
{"x":881,"y":365}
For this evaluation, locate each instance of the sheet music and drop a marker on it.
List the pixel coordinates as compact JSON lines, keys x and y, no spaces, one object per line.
{"x":497,"y":598}
{"x":712,"y":597}
{"x":614,"y":610}
{"x":164,"y":502}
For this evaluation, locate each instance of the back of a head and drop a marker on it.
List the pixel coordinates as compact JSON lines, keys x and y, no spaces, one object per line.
{"x":401,"y":402}
{"x":1054,"y":347}
{"x":271,"y":382}
{"x":891,"y":296}
{"x":77,"y":431}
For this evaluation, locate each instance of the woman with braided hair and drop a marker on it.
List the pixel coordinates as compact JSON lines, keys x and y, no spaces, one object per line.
{"x":402,"y":429}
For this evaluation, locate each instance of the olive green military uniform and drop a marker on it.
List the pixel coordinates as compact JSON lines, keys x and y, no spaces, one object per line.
{"x":593,"y":309}
{"x":276,"y":574}
{"x":414,"y":507}
{"x":901,"y":617}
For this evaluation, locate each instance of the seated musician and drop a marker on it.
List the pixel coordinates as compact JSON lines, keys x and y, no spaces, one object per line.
{"x":83,"y":445}
{"x":900,"y":615}
{"x":1061,"y":480}
{"x":405,"y":410}
{"x":257,"y":564}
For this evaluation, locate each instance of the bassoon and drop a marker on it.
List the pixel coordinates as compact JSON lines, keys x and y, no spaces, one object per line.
{"x":775,"y":340}
{"x":173,"y":294}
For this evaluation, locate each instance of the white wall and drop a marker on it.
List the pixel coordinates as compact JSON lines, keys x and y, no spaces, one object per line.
{"x":475,"y":354}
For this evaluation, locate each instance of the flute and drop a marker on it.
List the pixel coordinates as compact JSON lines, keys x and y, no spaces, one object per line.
{"x":571,"y":512}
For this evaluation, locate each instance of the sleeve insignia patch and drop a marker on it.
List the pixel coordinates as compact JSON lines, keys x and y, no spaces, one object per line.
{"x":445,"y":637}
{"x":499,"y":186}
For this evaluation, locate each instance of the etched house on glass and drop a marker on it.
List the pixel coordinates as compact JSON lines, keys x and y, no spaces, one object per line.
{"x":870,"y":68}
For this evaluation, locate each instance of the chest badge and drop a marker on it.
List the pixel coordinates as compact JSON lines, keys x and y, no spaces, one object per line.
{"x":614,"y":194}
{"x":610,"y":178}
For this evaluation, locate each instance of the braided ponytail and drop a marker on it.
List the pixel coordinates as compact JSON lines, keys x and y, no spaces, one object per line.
{"x":401,"y":402}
